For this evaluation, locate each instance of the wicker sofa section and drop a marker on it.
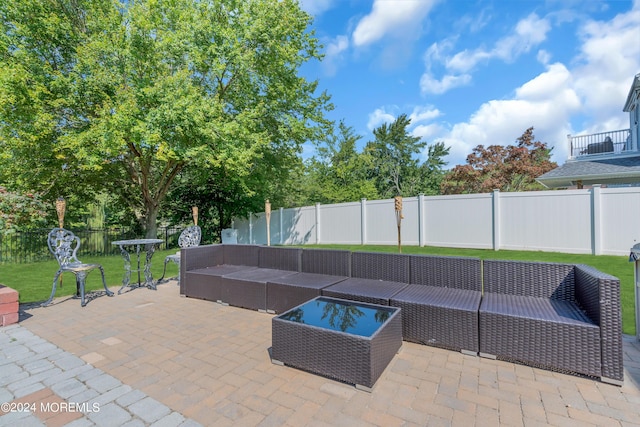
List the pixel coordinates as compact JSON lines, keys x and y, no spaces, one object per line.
{"x":204,"y":266}
{"x":248,"y":288}
{"x":319,"y":268}
{"x":241,"y":279}
{"x":553,"y":316}
{"x":375,"y":278}
{"x":440,"y":305}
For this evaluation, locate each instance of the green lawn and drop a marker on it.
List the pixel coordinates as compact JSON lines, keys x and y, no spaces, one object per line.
{"x":33,"y":281}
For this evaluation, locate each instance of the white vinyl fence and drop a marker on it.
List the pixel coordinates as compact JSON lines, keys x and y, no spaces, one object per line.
{"x":600,"y":221}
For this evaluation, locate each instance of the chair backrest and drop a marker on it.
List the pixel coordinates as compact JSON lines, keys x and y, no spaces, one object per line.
{"x":190,"y":236}
{"x":64,"y":245}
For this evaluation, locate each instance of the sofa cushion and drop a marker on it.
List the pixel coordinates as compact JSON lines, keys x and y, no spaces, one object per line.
{"x":364,"y":290}
{"x":547,"y":309}
{"x":290,"y":291}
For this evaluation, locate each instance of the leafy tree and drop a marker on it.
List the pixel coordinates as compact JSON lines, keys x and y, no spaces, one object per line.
{"x":338,"y":173}
{"x":19,"y":211}
{"x":222,"y":195}
{"x":37,"y":53}
{"x":510,"y":168}
{"x":122,"y":96}
{"x":432,"y":170}
{"x":396,"y":168}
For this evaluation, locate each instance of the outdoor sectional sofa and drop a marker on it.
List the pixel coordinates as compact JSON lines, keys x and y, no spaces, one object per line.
{"x":553,"y":316}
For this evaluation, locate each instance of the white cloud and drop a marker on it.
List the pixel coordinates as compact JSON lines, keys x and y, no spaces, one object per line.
{"x":429,"y":84}
{"x":422,"y":113}
{"x":473,"y":23}
{"x":438,"y":51}
{"x":316,"y":7}
{"x":334,"y":54}
{"x":379,"y":117}
{"x":543,"y":57}
{"x":528,"y":33}
{"x":608,"y":60}
{"x":595,"y":89}
{"x":545,"y":102}
{"x":427,"y":132}
{"x":397,"y":18}
{"x":419,"y":114}
{"x":466,"y":60}
{"x":547,"y":85}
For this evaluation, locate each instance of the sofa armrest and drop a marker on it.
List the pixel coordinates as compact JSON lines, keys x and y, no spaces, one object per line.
{"x":598,"y":294}
{"x":203,"y":256}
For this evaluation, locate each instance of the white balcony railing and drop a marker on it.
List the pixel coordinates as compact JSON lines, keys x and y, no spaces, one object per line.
{"x":598,"y":144}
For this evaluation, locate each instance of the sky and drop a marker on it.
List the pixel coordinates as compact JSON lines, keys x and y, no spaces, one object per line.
{"x":477,"y":72}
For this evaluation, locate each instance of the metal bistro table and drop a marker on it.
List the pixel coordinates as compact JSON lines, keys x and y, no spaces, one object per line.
{"x":150,"y":247}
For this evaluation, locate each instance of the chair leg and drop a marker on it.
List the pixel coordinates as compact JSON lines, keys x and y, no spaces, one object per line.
{"x":81,"y":277}
{"x":53,"y":290}
{"x":104,"y":282}
{"x":164,"y":271}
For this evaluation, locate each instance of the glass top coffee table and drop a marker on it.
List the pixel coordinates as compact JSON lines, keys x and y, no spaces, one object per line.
{"x":345,"y":340}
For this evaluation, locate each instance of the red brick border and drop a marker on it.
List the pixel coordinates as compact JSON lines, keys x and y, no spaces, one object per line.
{"x":8,"y":306}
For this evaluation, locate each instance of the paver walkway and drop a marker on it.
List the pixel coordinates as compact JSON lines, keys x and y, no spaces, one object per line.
{"x":154,"y":358}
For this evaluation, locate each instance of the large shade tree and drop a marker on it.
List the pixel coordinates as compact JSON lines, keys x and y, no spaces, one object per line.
{"x":338,"y":172}
{"x":124,"y":95}
{"x":395,"y":164}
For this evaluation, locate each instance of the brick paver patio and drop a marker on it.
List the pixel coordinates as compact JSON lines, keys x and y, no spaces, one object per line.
{"x":172,"y":360}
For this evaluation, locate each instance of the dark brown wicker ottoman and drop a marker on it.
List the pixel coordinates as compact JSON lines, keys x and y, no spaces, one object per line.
{"x":344,"y":340}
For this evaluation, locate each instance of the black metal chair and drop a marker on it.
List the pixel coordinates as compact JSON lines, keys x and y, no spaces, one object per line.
{"x":64,"y":245}
{"x":189,"y":237}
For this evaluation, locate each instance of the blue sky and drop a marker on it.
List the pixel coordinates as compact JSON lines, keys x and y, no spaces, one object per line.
{"x":478,"y":72}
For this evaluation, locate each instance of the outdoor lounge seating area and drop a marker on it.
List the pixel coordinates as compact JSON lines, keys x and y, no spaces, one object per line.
{"x":553,"y":316}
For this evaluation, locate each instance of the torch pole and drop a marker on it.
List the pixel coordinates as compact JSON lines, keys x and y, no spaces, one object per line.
{"x":267,"y":211}
{"x":397,"y":202}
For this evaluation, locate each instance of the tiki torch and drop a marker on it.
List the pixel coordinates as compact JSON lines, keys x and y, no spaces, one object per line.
{"x":267,"y":211}
{"x":194,"y":211}
{"x":399,"y":217}
{"x":61,"y":206}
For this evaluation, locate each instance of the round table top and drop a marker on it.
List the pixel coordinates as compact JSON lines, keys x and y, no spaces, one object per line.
{"x":136,"y":242}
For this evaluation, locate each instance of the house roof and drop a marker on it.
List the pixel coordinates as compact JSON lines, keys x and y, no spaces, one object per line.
{"x":619,"y":170}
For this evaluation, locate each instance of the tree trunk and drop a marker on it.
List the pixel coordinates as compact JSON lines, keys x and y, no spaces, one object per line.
{"x":151,"y":222}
